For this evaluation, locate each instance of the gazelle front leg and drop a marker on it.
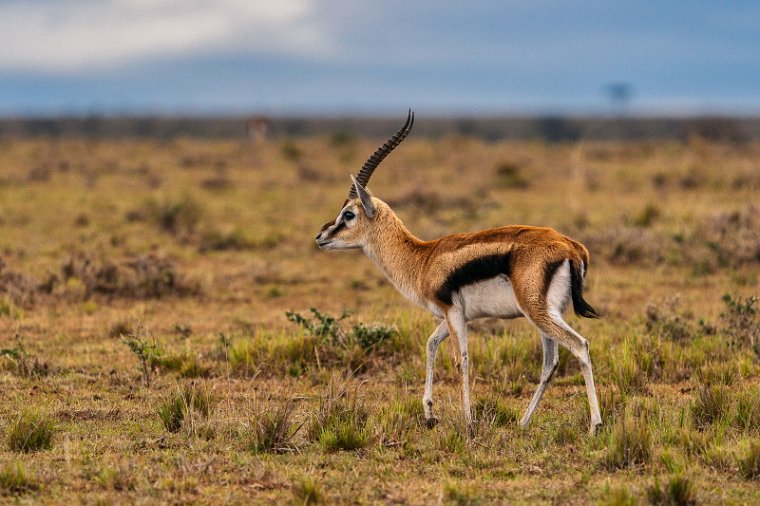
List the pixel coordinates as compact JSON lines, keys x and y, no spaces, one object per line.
{"x":436,"y":338}
{"x":458,"y":329}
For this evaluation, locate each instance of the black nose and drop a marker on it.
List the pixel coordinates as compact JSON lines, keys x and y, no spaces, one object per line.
{"x":318,"y":235}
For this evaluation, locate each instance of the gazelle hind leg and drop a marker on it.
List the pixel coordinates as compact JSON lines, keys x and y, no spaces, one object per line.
{"x":458,"y":331}
{"x":555,"y":326}
{"x":550,"y":363}
{"x":439,"y":334}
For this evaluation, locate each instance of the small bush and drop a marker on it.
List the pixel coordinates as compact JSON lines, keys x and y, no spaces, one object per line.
{"x":177,"y":217}
{"x":272,"y":431}
{"x":32,"y":431}
{"x":371,"y":337}
{"x":141,"y":277}
{"x":749,"y":464}
{"x":120,"y":328}
{"x":290,"y":150}
{"x":24,"y":363}
{"x":147,"y":352}
{"x":629,"y":444}
{"x":321,"y":325}
{"x":711,"y":405}
{"x":647,"y":216}
{"x":508,"y":176}
{"x":741,"y":320}
{"x":679,"y":491}
{"x":14,"y":479}
{"x":667,"y":320}
{"x":186,"y":364}
{"x":307,"y":491}
{"x":216,"y":240}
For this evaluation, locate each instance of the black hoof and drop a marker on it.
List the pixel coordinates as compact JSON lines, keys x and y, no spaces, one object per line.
{"x":431,"y":422}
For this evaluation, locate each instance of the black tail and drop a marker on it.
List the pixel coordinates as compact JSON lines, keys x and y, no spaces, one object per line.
{"x":581,"y":307}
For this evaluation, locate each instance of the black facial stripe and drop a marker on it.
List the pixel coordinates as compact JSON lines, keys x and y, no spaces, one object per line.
{"x":340,"y":226}
{"x":475,"y":270}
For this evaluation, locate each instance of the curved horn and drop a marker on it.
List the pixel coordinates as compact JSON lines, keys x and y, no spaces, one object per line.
{"x":373,"y":161}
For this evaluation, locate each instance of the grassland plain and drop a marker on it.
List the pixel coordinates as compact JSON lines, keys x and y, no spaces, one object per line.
{"x":146,"y":353}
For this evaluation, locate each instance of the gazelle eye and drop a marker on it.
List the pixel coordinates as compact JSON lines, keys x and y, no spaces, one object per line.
{"x":348,"y":215}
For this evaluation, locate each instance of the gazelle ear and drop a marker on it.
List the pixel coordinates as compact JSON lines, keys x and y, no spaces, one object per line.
{"x":366,"y":198}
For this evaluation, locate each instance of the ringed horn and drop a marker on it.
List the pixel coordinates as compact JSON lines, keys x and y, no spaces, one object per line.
{"x":373,"y":161}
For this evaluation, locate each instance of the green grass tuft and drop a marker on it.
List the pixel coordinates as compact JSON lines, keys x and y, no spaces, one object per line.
{"x":630,"y":444}
{"x":679,"y":491}
{"x":15,"y":480}
{"x":307,"y":490}
{"x":340,"y":423}
{"x":187,"y":401}
{"x":272,"y":431}
{"x":30,"y":432}
{"x":749,"y":463}
{"x":710,"y":406}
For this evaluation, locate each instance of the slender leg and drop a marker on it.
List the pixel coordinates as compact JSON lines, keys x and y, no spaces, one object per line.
{"x":555,"y":326}
{"x":439,"y":334}
{"x":581,"y":352}
{"x":551,"y":361}
{"x":458,"y":330}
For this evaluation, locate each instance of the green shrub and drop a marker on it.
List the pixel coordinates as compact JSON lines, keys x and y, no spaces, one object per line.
{"x":24,"y":363}
{"x":371,"y":337}
{"x":30,"y":432}
{"x":147,"y":352}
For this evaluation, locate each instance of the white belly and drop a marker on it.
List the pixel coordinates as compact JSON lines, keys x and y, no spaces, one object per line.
{"x":492,"y":297}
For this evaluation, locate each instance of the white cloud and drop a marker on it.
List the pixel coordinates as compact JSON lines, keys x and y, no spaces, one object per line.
{"x":98,"y":34}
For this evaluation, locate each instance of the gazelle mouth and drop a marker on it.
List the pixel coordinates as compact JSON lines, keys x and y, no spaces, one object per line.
{"x":322,"y":244}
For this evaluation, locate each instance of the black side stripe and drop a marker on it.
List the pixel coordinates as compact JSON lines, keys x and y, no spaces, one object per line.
{"x":475,"y":270}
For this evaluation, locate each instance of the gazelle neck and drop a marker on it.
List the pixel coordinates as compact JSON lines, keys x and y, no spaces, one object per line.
{"x":397,"y":252}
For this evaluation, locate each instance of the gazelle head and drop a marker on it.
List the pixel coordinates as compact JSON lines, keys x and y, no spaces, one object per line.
{"x":351,"y":227}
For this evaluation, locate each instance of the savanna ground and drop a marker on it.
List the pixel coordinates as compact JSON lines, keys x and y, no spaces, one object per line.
{"x":147,"y":355}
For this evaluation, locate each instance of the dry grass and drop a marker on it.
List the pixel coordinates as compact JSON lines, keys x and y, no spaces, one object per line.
{"x":199,"y":248}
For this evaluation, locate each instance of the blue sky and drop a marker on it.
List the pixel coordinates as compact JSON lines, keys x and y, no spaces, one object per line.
{"x":370,"y":57}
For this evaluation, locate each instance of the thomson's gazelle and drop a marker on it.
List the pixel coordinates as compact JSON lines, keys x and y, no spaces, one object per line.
{"x":502,"y":272}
